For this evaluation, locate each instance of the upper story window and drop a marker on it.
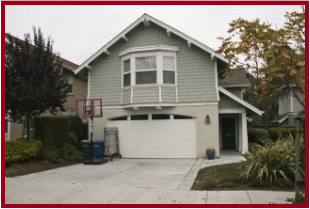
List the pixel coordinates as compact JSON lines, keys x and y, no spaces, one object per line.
{"x":126,"y":73}
{"x":146,"y":70}
{"x":169,"y":69}
{"x":70,"y":85}
{"x":149,"y":65}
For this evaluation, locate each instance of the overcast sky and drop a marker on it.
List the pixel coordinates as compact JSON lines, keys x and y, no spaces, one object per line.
{"x":79,"y":31}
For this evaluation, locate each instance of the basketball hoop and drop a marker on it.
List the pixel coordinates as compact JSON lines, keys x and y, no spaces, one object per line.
{"x":88,"y":108}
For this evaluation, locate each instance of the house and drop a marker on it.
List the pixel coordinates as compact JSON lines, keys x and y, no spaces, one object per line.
{"x":77,"y":89}
{"x":161,"y":88}
{"x":289,"y":108}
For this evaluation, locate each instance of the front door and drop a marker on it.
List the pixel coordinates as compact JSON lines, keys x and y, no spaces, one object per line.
{"x":229,"y":133}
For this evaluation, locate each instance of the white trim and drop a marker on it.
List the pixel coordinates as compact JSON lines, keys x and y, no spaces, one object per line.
{"x":166,"y":105}
{"x":88,"y":84}
{"x":240,"y":101}
{"x":148,"y":48}
{"x":135,"y":24}
{"x":216,"y":81}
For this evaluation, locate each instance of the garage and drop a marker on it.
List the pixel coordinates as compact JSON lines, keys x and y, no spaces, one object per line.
{"x":156,"y":136}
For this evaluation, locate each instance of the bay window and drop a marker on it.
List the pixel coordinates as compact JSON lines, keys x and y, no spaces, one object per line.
{"x":146,"y":71}
{"x":154,"y":67}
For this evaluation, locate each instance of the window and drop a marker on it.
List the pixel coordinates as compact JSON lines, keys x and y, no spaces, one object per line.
{"x":146,"y":70}
{"x":119,"y":118}
{"x":160,"y":117}
{"x":70,"y":85}
{"x":176,"y":117}
{"x":126,"y":73}
{"x":139,"y":117}
{"x":168,"y":70}
{"x":149,"y":65}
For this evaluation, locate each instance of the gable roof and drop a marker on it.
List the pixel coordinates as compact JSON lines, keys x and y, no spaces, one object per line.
{"x":236,"y":78}
{"x":65,"y":63}
{"x":241,"y":101}
{"x":147,"y":20}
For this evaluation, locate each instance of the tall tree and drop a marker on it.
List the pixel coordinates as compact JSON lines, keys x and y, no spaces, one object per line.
{"x":275,"y":56}
{"x":34,"y":82}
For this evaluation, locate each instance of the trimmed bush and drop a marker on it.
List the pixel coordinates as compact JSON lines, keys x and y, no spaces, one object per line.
{"x":60,"y":136}
{"x":257,"y":134}
{"x":19,"y":150}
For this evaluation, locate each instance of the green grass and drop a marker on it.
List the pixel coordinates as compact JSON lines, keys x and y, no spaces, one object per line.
{"x":227,"y":177}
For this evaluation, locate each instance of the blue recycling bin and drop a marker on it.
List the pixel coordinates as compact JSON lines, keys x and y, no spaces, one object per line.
{"x":97,"y":149}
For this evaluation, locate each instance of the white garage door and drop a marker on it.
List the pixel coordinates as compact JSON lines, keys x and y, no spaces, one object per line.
{"x":171,"y":138}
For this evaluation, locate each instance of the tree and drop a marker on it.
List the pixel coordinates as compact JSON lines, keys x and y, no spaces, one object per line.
{"x":275,"y":56}
{"x":34,"y":83}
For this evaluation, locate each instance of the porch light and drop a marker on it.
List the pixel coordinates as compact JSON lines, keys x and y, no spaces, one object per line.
{"x":208,"y":121}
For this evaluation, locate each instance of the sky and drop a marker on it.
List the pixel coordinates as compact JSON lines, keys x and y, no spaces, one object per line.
{"x":79,"y":31}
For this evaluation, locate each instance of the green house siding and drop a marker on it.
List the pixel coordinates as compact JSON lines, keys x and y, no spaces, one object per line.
{"x":195,"y":71}
{"x":228,"y":103}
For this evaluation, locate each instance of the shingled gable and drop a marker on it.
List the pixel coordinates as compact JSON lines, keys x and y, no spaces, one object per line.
{"x":148,"y":20}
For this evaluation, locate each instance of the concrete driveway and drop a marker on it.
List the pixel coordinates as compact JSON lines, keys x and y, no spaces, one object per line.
{"x":138,"y":173}
{"x":128,"y":181}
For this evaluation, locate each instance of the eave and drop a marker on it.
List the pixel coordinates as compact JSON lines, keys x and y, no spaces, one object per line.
{"x":147,"y":20}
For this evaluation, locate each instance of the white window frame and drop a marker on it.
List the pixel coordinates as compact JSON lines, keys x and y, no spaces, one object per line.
{"x":71,"y":83}
{"x":160,"y":53}
{"x":125,"y":73}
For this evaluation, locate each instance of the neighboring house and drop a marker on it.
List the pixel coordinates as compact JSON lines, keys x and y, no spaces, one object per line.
{"x":161,"y":88}
{"x":289,"y":108}
{"x":77,"y":89}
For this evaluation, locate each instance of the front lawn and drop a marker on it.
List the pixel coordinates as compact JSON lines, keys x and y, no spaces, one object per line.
{"x":227,"y":177}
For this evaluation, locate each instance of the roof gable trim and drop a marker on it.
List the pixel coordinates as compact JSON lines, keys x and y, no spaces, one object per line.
{"x":240,"y":101}
{"x":148,"y":19}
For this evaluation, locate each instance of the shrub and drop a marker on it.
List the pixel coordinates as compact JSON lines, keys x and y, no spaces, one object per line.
{"x":257,"y":134}
{"x":66,"y":153}
{"x":270,"y":162}
{"x":51,"y":154}
{"x":69,"y":153}
{"x":281,"y":133}
{"x":19,"y":150}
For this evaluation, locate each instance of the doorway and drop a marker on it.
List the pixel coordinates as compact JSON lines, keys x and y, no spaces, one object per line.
{"x":228,"y":125}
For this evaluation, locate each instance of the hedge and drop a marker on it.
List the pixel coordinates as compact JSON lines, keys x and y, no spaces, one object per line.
{"x":257,"y":134}
{"x":53,"y":131}
{"x":20,"y":150}
{"x":281,"y":133}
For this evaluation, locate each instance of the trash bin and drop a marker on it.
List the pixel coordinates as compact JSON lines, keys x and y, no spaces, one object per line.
{"x":97,"y":149}
{"x":86,"y":150}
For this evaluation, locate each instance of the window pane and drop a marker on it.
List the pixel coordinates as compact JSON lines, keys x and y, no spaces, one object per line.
{"x":146,"y":77}
{"x":169,"y":77}
{"x":139,"y":117}
{"x":168,"y":63}
{"x":127,"y":79}
{"x":146,"y":63}
{"x":126,"y":66}
{"x":160,"y":117}
{"x":70,"y":88}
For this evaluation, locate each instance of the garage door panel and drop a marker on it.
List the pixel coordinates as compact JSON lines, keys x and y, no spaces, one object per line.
{"x":156,"y":139}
